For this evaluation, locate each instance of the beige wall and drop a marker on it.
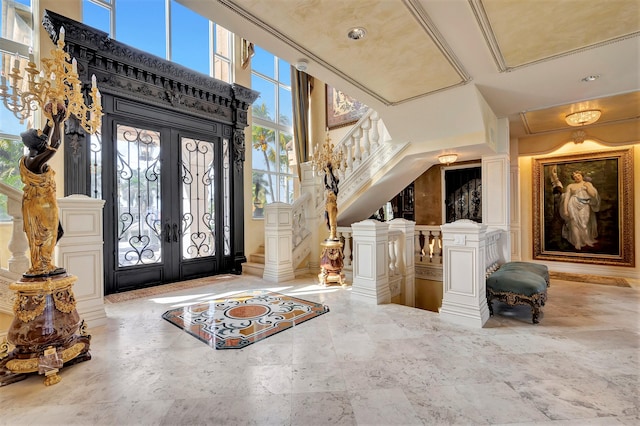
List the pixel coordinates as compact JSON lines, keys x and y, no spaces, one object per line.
{"x":599,"y":139}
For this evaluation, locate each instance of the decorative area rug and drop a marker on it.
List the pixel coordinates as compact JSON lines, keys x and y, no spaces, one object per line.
{"x":166,"y":288}
{"x":590,"y":279}
{"x":244,"y":319}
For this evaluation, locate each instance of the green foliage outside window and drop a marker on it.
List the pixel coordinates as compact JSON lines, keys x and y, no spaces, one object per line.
{"x":274,"y":160}
{"x":10,"y":153}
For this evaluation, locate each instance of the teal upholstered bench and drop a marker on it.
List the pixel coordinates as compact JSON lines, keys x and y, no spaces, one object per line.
{"x":519,"y":283}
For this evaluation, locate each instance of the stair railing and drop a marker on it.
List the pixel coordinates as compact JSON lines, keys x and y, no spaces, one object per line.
{"x":18,"y":262}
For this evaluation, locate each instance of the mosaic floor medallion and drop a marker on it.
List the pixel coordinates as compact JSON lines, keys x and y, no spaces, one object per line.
{"x":244,"y":319}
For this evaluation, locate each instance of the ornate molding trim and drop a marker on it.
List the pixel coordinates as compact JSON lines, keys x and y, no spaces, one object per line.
{"x":132,"y":73}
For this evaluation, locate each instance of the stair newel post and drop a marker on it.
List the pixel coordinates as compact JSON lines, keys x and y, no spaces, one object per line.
{"x":375,"y":131}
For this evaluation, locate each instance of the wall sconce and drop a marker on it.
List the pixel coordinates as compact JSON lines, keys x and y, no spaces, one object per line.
{"x":582,"y":118}
{"x":447,"y":158}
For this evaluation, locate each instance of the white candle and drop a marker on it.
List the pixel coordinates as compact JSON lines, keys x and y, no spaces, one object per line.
{"x":16,"y":62}
{"x":93,"y":81}
{"x":52,"y":76}
{"x":61,"y":34}
{"x":74,"y":65}
{"x":98,"y":97}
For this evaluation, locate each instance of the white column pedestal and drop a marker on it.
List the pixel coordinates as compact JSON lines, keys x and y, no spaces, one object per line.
{"x":371,"y":261}
{"x":278,"y":242}
{"x":464,"y":287}
{"x":80,"y":252}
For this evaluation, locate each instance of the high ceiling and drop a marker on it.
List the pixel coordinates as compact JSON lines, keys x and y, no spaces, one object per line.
{"x":528,"y":58}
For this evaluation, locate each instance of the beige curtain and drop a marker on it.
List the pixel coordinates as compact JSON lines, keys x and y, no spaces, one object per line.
{"x":301,"y":86}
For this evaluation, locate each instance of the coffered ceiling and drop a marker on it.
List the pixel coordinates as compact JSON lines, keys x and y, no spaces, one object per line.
{"x":527,"y":58}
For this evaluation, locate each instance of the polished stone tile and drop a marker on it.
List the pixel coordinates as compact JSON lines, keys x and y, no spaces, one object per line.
{"x":360,"y":363}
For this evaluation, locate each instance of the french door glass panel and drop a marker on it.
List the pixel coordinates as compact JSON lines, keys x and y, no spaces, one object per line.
{"x":139,"y":200}
{"x":198,"y":199}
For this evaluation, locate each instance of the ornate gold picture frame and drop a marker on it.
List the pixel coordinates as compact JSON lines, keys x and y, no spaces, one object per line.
{"x":342,"y":109}
{"x":583,"y":208}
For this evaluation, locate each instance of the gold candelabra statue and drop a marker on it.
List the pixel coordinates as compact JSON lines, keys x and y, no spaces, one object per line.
{"x":327,"y":163}
{"x":46,"y":331}
{"x":57,"y":84}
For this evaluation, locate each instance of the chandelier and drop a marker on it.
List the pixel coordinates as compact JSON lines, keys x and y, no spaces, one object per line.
{"x":57,"y":83}
{"x":582,"y":118}
{"x":447,"y":158}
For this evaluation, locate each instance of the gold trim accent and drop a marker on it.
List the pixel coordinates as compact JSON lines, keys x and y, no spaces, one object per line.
{"x":48,"y":285}
{"x":52,"y":379}
{"x":82,"y":329}
{"x":4,"y":349}
{"x":23,"y":365}
{"x":64,"y":300}
{"x":23,"y":301}
{"x":30,"y":365}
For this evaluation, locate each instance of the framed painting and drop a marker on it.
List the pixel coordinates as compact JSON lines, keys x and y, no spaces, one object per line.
{"x":583,"y":208}
{"x":342,"y":109}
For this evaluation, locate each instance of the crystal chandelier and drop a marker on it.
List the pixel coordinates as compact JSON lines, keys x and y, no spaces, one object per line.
{"x":57,"y":83}
{"x":582,"y":118}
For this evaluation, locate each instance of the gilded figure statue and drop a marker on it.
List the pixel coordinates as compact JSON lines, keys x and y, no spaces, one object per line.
{"x":331,"y":207}
{"x":39,"y":205}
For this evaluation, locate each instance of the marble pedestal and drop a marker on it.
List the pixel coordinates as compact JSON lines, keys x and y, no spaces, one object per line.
{"x":331,"y":263}
{"x":46,"y":330}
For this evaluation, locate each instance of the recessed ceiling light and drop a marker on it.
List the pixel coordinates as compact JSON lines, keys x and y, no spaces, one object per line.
{"x":356,"y":33}
{"x":592,"y":77}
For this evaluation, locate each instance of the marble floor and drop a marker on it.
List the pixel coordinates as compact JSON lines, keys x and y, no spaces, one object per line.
{"x":359,"y":364}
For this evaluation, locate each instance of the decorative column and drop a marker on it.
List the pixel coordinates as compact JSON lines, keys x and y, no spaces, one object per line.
{"x":310,"y":185}
{"x":465,"y":293}
{"x":81,"y":251}
{"x":407,"y":259}
{"x":278,"y":242}
{"x":371,"y":261}
{"x":495,"y":197}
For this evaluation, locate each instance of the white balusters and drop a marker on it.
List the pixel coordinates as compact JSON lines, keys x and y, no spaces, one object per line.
{"x":357,"y":152}
{"x":18,"y":263}
{"x":375,"y":132}
{"x":394,"y":236}
{"x":366,"y":145}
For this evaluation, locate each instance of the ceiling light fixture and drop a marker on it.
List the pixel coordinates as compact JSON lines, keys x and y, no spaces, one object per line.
{"x":357,"y":33}
{"x":582,"y":118}
{"x":590,"y":78}
{"x":302,"y":65}
{"x":447,"y":158}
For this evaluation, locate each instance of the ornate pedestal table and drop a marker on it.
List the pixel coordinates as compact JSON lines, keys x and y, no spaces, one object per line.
{"x":331,"y":262}
{"x":46,"y":331}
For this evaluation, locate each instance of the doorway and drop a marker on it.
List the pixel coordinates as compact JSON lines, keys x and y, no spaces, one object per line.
{"x":167,"y":192}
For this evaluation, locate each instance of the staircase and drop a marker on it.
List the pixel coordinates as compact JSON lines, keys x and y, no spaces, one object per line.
{"x":255,"y":264}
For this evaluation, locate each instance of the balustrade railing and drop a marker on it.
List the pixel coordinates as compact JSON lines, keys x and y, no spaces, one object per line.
{"x":18,"y":261}
{"x":395,"y":255}
{"x":428,"y":244}
{"x":346,"y":236}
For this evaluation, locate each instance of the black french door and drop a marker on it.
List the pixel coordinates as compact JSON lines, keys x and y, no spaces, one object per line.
{"x":167,"y":200}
